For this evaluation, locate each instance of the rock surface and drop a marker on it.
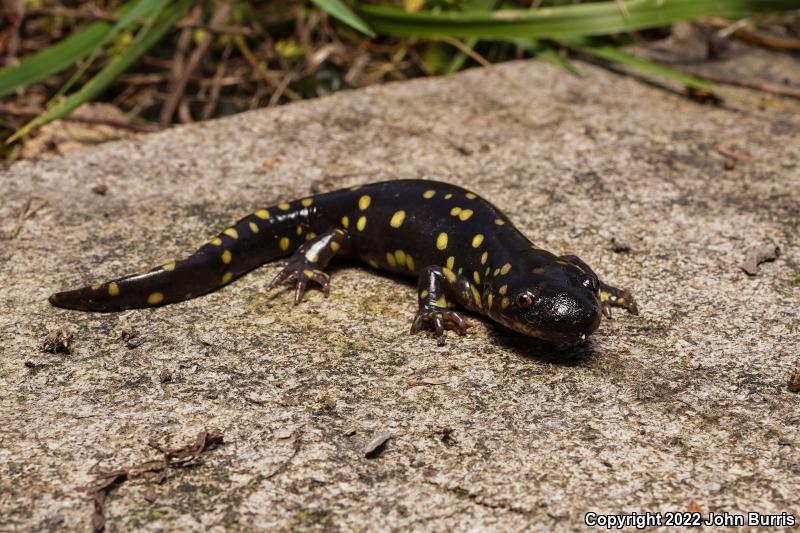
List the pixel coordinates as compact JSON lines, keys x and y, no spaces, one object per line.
{"x":685,"y":407}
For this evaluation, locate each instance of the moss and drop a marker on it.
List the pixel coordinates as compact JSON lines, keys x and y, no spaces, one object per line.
{"x":314,"y":517}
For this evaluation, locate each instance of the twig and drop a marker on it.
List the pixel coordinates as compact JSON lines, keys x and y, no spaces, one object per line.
{"x":27,"y":212}
{"x":216,"y":85}
{"x":220,"y":15}
{"x":261,"y":72}
{"x":280,"y":89}
{"x":772,"y":88}
{"x":80,"y":14}
{"x":479,"y":58}
{"x":177,"y":70}
{"x":9,"y":109}
{"x":739,"y":156}
{"x":10,"y":40}
{"x":742,"y":31}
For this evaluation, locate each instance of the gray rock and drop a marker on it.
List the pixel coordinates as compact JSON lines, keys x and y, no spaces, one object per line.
{"x":682,"y":405}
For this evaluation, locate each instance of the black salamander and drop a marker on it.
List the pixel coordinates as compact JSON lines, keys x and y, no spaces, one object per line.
{"x":460,"y":247}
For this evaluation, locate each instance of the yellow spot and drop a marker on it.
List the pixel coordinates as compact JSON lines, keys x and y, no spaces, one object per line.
{"x":308,"y":274}
{"x":391,"y":260}
{"x":410,"y":262}
{"x":169,"y":266}
{"x":499,"y":222}
{"x":284,"y":243}
{"x":503,"y":289}
{"x":113,"y":289}
{"x":254,"y":227}
{"x":226,"y":277}
{"x":232,"y":233}
{"x":346,"y":222}
{"x":423,"y":294}
{"x":441,"y":302}
{"x":451,"y":262}
{"x":465,"y":214}
{"x":312,"y":256}
{"x":476,"y":295}
{"x":262,"y":214}
{"x":216,"y":241}
{"x":306,"y":202}
{"x":155,"y":298}
{"x":448,"y":196}
{"x":455,"y":211}
{"x":226,"y":257}
{"x":335,"y":246}
{"x":471,"y":196}
{"x":429,"y":194}
{"x":362,"y":223}
{"x":605,"y":296}
{"x":477,"y":240}
{"x":486,"y":272}
{"x":496,"y":272}
{"x":441,"y":241}
{"x":504,"y":270}
{"x":96,"y":286}
{"x":340,"y":232}
{"x":283,"y":206}
{"x":310,"y":235}
{"x":504,"y":303}
{"x":476,"y":277}
{"x":364,"y":201}
{"x":400,"y":255}
{"x":620,"y":300}
{"x":397,"y":219}
{"x":355,"y":187}
{"x":372,"y":263}
{"x":299,"y":230}
{"x":484,"y":257}
{"x":450,"y":275}
{"x":460,"y":270}
{"x":490,"y":300}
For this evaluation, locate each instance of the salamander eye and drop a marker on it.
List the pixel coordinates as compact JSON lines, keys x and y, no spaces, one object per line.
{"x":524,"y":299}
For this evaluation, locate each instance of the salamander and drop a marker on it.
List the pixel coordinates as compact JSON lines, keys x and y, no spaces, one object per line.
{"x":461,"y":248}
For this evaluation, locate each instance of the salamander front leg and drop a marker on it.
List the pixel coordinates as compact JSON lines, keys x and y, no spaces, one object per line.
{"x":609,"y":296}
{"x":434,"y":286}
{"x":309,"y":261}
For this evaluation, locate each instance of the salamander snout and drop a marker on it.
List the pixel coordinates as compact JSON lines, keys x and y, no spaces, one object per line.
{"x":564,"y":316}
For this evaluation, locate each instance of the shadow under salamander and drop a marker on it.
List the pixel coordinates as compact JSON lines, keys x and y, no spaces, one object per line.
{"x":542,"y":351}
{"x":525,"y":347}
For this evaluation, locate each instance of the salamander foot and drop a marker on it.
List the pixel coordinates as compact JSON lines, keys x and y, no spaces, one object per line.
{"x":439,"y":320}
{"x":301,"y":274}
{"x":613,"y":297}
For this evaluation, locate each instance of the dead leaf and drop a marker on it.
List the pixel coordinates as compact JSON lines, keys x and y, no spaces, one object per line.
{"x":378,"y":443}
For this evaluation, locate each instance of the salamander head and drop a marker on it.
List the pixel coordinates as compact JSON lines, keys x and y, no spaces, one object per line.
{"x":556,"y":303}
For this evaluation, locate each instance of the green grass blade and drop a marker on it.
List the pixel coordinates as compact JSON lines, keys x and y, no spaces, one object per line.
{"x":132,"y":11}
{"x":594,"y":18}
{"x":615,"y":55}
{"x":53,"y":59}
{"x":460,"y":58}
{"x":145,"y":39}
{"x":546,"y":53}
{"x":337,"y":9}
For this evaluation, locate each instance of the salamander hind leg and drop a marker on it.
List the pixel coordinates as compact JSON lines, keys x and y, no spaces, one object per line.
{"x":434,"y":286}
{"x":309,"y":261}
{"x":609,"y":296}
